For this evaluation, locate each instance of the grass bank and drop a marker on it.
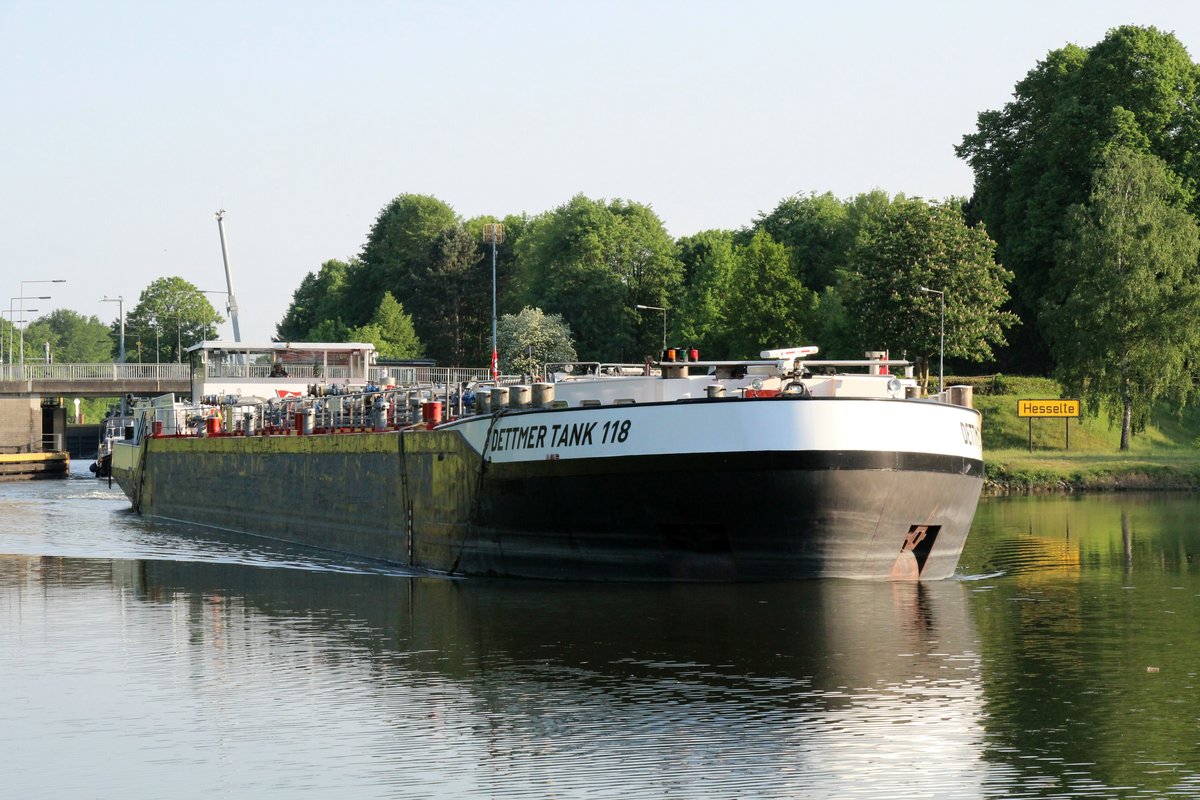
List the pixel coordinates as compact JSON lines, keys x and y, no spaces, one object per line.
{"x":1084,"y":454}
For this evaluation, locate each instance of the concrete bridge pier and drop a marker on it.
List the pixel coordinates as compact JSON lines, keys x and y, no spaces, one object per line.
{"x":32,"y":439}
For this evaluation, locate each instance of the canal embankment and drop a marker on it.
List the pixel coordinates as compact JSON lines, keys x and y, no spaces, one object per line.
{"x":1024,"y":455}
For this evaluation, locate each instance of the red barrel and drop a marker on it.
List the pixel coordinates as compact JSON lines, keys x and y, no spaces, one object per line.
{"x":212,"y":425}
{"x":432,"y":412}
{"x":157,"y":428}
{"x":299,"y":423}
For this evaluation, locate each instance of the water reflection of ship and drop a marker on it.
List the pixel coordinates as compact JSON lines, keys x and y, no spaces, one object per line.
{"x":806,"y":689}
{"x":826,"y":635}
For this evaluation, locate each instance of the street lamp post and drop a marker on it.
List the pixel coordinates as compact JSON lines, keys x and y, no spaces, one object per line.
{"x":12,"y":321}
{"x":941,"y":335}
{"x":120,"y":301}
{"x":49,"y":280}
{"x":664,"y":313}
{"x":11,"y":325}
{"x":493,"y":232}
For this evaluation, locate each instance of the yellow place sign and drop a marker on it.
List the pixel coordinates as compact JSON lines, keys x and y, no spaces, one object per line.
{"x":1047,"y":408}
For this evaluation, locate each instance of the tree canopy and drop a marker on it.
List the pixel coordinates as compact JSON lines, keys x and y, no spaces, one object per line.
{"x":767,"y":305}
{"x":1035,"y":158}
{"x":593,"y":262}
{"x":914,"y":244}
{"x":320,"y":299}
{"x":397,"y":253}
{"x":699,"y":321}
{"x":72,"y":337}
{"x":171,"y":315}
{"x":390,"y":330}
{"x":530,"y":339}
{"x":1122,"y":319}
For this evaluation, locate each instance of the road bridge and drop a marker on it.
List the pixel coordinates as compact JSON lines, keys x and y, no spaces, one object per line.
{"x":93,"y":380}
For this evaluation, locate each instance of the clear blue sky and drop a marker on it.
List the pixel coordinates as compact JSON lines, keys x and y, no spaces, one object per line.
{"x":127,"y":124}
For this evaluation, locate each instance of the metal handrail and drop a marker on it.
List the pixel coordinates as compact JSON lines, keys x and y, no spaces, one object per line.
{"x":94,"y":372}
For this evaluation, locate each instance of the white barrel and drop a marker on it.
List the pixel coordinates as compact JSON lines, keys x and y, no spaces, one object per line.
{"x":543,"y":395}
{"x":519,"y":396}
{"x":483,"y":401}
{"x":961,"y":396}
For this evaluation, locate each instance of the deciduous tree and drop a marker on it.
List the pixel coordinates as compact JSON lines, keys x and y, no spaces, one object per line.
{"x":912,"y":244}
{"x":766,"y":306}
{"x":1122,"y":318}
{"x":593,"y":262}
{"x":397,"y":253}
{"x":529,"y":340}
{"x":172,"y":314}
{"x":1035,"y":158}
{"x":699,"y":316}
{"x":320,"y":300}
{"x":72,"y":337}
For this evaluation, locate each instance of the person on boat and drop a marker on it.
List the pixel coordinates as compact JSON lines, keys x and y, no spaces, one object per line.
{"x":277,"y":370}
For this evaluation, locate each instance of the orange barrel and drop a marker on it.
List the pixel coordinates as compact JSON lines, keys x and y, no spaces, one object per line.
{"x":432,"y":411}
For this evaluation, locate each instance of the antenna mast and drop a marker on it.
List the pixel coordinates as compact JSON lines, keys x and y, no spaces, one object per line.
{"x":231,"y":304}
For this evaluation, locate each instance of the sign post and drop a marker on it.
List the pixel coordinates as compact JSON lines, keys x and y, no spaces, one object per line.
{"x":1048,"y":408}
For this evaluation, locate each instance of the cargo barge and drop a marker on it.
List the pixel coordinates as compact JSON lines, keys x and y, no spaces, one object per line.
{"x":776,"y":468}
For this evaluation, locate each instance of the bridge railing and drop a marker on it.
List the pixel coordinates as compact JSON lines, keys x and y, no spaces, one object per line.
{"x":95,"y":372}
{"x":181,"y":372}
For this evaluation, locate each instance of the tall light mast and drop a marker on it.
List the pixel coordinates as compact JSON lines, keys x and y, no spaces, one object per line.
{"x":231,"y":304}
{"x":493,"y":232}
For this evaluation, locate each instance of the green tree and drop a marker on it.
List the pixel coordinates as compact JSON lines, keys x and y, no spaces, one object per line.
{"x":593,"y":262}
{"x":73,"y":337}
{"x":1122,"y":320}
{"x":397,"y":254}
{"x":171,"y":314}
{"x":454,"y":305}
{"x":1035,"y":158}
{"x":320,"y":299}
{"x":913,"y":244}
{"x":390,"y":330}
{"x":766,"y":305}
{"x":816,"y":230}
{"x":708,"y":263}
{"x":529,"y":340}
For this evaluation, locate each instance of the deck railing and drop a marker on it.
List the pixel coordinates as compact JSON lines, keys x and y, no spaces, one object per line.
{"x":95,"y":372}
{"x":403,"y":376}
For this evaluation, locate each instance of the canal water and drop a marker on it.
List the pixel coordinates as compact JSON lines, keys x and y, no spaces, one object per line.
{"x":147,"y":659}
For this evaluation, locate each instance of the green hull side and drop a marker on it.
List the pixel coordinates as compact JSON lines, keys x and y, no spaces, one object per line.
{"x":345,"y":493}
